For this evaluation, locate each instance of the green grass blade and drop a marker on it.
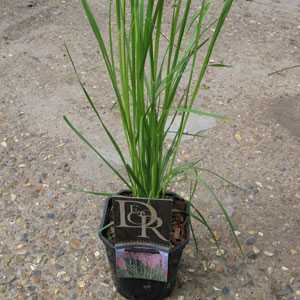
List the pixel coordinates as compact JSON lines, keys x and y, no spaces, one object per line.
{"x":199,"y":217}
{"x":193,"y":188}
{"x":227,"y":217}
{"x":96,"y":151}
{"x":225,"y":11}
{"x":200,"y":112}
{"x":101,"y":43}
{"x":224,"y":179}
{"x":105,"y":227}
{"x":220,"y":66}
{"x":107,"y":131}
{"x":91,"y":192}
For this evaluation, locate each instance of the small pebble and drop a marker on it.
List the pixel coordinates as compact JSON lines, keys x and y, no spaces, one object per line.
{"x":226,"y":291}
{"x":220,"y":268}
{"x":220,"y":252}
{"x":81,"y":284}
{"x":250,"y":241}
{"x":97,"y":254}
{"x":36,"y":276}
{"x":60,"y":274}
{"x":259,"y":184}
{"x":51,"y":216}
{"x":66,"y":167}
{"x":267,"y":253}
{"x":75,"y":244}
{"x":284,"y":268}
{"x":67,"y":278}
{"x":24,"y":237}
{"x":252,"y":232}
{"x":255,"y":250}
{"x":60,"y":252}
{"x":4,"y":144}
{"x":13,"y":197}
{"x":238,"y":136}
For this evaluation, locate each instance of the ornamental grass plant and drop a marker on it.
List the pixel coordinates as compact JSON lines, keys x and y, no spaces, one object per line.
{"x":156,"y":56}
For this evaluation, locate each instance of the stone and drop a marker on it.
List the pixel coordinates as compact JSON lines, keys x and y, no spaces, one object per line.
{"x":60,"y":274}
{"x":51,"y":216}
{"x":60,"y":252}
{"x":220,"y":252}
{"x":81,"y":284}
{"x":219,"y":268}
{"x":36,"y":276}
{"x":226,"y":291}
{"x":75,"y":244}
{"x":259,"y":184}
{"x":21,"y":249}
{"x":256,"y":250}
{"x":238,"y":136}
{"x":267,"y":253}
{"x":24,"y":237}
{"x":250,"y":241}
{"x":66,"y":167}
{"x":67,"y":278}
{"x":51,"y":234}
{"x":4,"y":144}
{"x":97,"y":254}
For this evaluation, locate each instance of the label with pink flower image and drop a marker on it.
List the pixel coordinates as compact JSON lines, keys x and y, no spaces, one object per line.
{"x":142,"y":263}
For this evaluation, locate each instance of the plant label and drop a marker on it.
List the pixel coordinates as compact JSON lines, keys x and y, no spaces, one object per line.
{"x":140,"y":221}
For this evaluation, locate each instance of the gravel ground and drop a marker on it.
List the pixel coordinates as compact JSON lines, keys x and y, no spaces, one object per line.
{"x":48,"y":243}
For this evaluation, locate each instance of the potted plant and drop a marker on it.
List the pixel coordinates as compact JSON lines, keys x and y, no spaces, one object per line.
{"x":149,"y":54}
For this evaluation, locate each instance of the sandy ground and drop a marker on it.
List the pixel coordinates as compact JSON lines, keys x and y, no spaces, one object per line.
{"x":48,"y":243}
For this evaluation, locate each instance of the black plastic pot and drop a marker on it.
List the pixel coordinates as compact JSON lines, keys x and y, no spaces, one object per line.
{"x":141,"y":289}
